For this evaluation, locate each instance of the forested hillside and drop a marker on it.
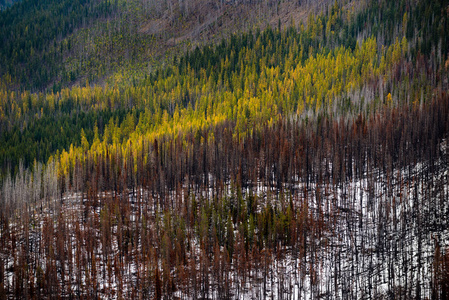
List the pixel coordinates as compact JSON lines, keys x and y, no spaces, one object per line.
{"x":5,"y":4}
{"x":224,"y":149}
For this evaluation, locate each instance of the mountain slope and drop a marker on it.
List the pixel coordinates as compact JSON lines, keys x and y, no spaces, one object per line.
{"x":55,"y":44}
{"x":167,"y":156}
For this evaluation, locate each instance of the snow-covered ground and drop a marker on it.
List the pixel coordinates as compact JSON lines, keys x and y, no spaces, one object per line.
{"x":379,"y":239}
